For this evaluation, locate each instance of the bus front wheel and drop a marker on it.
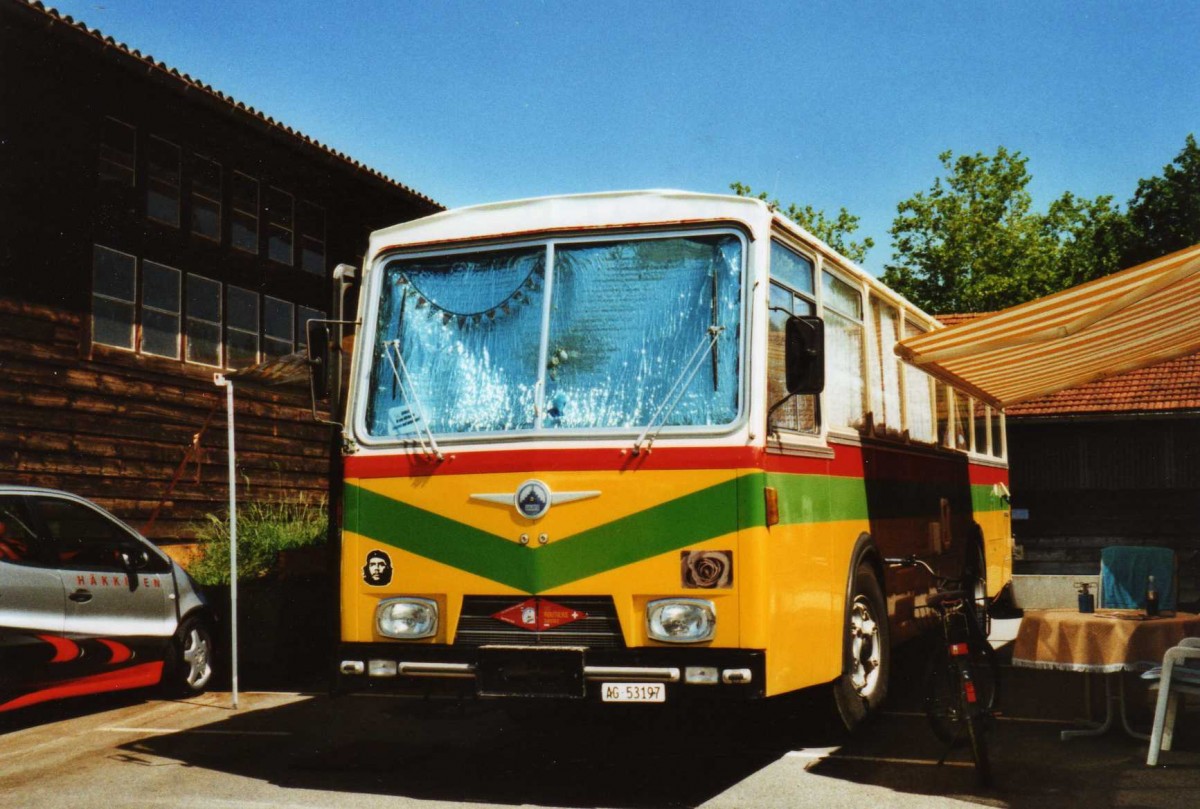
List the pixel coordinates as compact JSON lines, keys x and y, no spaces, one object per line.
{"x":861,"y":688}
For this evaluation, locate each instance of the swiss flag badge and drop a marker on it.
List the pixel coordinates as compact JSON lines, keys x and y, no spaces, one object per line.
{"x":538,"y":615}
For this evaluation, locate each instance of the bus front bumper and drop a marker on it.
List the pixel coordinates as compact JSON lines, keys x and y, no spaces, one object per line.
{"x":549,"y":672}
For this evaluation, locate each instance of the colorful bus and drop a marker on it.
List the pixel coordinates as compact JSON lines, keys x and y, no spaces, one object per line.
{"x":644,"y":447}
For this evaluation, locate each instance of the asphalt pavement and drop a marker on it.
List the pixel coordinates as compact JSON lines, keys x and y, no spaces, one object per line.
{"x":307,"y":750}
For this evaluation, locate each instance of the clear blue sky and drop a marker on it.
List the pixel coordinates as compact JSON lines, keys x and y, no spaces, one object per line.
{"x":829,"y":104}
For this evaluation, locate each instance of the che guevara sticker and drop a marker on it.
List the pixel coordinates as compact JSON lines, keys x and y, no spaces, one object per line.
{"x":377,"y":570}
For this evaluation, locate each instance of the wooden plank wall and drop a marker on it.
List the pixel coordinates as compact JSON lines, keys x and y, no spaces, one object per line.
{"x":115,"y":426}
{"x":1094,"y":483}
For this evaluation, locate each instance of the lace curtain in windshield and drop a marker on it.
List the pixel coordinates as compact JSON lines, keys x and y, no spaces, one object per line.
{"x":635,"y":326}
{"x":627,"y":317}
{"x":466,"y":330}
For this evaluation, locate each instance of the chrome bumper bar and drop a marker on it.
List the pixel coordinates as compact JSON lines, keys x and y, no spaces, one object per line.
{"x":640,"y":674}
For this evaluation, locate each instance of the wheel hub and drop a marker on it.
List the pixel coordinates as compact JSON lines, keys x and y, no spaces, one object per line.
{"x":865,"y":649}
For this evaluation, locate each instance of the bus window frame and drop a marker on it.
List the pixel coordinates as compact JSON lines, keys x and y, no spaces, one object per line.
{"x":780,"y":438}
{"x":372,"y":288}
{"x":846,"y":432}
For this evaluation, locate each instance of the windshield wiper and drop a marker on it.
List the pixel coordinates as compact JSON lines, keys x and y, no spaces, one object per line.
{"x":675,"y":394}
{"x":409,"y":390}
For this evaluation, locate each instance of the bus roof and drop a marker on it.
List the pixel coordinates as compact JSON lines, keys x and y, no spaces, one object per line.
{"x":572,"y":212}
{"x":540,"y":216}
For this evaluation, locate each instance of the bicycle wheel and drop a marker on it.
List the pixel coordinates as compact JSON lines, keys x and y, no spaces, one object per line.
{"x":943,"y":697}
{"x":943,"y":688}
{"x":985,"y":672}
{"x":977,"y":723}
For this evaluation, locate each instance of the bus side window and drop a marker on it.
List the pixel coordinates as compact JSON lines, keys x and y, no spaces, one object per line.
{"x":962,"y":421}
{"x":842,"y":310}
{"x":918,"y":398}
{"x":942,"y":401}
{"x":791,"y":293}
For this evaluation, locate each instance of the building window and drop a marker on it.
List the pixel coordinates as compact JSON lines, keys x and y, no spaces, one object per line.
{"x":311,"y":220}
{"x":118,"y":153}
{"x":842,"y":307}
{"x":241,"y":327}
{"x":791,"y":294}
{"x":162,"y":190}
{"x":306,"y":314}
{"x":160,"y":310}
{"x":203,"y":320}
{"x":206,"y":198}
{"x":279,"y":215}
{"x":114,"y":290}
{"x":245,"y":213}
{"x":279,"y":327}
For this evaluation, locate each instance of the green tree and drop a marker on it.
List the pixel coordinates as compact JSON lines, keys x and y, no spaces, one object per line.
{"x":1164,"y":214}
{"x":973,"y":243}
{"x":835,"y":232}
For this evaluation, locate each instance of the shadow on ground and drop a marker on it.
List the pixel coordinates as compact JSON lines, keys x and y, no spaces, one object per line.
{"x":574,"y":755}
{"x":647,"y":756}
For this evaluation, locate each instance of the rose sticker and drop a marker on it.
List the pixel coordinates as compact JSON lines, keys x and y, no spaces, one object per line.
{"x":707,"y":570}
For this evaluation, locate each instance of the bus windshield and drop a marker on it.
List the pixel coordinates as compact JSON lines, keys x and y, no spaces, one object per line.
{"x":636,"y":332}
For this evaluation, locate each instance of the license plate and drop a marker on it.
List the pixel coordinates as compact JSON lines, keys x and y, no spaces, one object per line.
{"x":530,"y":671}
{"x":633,"y":692}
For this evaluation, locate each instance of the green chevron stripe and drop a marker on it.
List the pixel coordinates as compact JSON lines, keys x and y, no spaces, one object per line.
{"x":684,"y":521}
{"x":983,"y":498}
{"x":693,"y":518}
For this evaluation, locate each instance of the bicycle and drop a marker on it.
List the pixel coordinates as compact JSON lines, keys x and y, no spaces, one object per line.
{"x":962,"y":675}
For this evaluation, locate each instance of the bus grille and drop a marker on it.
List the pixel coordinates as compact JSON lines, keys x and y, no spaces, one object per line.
{"x":599,"y":630}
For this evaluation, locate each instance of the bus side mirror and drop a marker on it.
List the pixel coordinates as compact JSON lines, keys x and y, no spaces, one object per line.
{"x":318,"y":360}
{"x":804,"y":355}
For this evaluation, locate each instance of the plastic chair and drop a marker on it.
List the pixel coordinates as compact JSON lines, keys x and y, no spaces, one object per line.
{"x":1124,"y":570}
{"x":1177,"y":678}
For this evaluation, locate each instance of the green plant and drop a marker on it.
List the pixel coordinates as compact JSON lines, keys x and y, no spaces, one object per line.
{"x":264,"y":529}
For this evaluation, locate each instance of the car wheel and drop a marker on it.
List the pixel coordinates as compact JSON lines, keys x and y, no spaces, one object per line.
{"x":190,"y":667}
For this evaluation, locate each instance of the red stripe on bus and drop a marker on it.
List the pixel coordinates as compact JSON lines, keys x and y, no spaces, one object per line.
{"x":553,"y":460}
{"x":132,"y":677}
{"x":847,"y":461}
{"x":983,"y":475}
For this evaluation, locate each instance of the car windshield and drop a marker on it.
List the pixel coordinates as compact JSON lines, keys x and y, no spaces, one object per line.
{"x":636,"y":332}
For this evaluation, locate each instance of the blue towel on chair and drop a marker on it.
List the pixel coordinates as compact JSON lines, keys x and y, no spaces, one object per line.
{"x":1124,"y":571}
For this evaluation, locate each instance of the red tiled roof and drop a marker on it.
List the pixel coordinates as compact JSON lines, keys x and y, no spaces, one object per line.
{"x":1170,"y":386}
{"x":185,"y":80}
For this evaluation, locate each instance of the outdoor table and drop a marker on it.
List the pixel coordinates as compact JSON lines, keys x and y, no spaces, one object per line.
{"x":1105,"y":642}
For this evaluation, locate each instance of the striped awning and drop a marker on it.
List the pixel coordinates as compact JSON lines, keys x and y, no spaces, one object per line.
{"x":1131,"y":319}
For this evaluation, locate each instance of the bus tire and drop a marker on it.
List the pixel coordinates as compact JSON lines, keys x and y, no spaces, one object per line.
{"x":860,"y":690}
{"x":975,"y":575}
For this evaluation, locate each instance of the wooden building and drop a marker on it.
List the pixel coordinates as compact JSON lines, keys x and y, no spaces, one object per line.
{"x":1115,"y":462}
{"x":154,"y":231}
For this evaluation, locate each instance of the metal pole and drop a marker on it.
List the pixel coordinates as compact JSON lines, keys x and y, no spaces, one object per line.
{"x":224,"y":382}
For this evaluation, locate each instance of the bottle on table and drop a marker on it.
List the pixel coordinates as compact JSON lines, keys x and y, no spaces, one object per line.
{"x":1151,"y":597}
{"x":1087,"y":601}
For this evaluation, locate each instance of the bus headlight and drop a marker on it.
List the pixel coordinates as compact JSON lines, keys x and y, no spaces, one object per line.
{"x":408,"y":618}
{"x":681,"y":620}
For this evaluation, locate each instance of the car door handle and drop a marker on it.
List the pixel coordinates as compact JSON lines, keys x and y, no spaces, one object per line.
{"x":80,"y":596}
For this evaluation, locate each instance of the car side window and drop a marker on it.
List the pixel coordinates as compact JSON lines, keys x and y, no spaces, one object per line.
{"x":19,"y":543}
{"x":82,"y":537}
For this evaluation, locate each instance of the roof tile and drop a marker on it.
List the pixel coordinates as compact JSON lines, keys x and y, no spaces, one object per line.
{"x":1170,"y":386}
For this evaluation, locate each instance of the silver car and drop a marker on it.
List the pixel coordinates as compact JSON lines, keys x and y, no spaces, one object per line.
{"x":89,"y":605}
